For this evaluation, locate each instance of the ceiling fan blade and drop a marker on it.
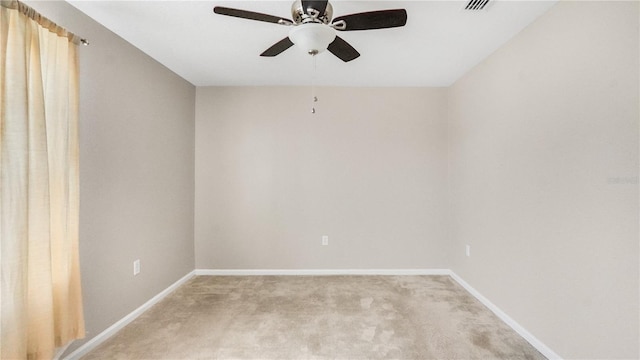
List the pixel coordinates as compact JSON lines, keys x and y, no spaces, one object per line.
{"x":343,"y":50}
{"x":382,"y":19}
{"x":278,"y":47}
{"x":251,"y":15}
{"x":319,"y":5}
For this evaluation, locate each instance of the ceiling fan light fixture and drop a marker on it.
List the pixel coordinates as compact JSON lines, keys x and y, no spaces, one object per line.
{"x":313,"y":30}
{"x":313,"y":38}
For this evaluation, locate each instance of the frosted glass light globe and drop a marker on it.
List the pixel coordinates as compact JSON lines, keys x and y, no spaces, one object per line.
{"x":313,"y":38}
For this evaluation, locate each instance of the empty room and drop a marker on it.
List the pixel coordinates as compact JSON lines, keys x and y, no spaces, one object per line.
{"x":320,"y":179}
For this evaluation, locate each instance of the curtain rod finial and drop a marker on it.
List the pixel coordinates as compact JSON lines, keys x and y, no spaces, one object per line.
{"x":84,"y":42}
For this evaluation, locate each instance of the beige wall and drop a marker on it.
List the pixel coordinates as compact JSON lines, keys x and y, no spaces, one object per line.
{"x":544,"y":155}
{"x":136,"y":172}
{"x":368,"y":170}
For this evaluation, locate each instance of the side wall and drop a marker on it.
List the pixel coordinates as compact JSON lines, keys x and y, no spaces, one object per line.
{"x":368,"y":170}
{"x":136,"y":172}
{"x":544,"y":169}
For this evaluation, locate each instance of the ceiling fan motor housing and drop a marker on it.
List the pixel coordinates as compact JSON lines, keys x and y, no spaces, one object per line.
{"x":300,"y":16}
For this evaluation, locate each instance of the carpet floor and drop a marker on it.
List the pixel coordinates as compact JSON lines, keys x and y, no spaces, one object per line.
{"x":317,"y":317}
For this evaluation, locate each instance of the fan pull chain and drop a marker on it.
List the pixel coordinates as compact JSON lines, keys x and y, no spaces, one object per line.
{"x":314,"y":99}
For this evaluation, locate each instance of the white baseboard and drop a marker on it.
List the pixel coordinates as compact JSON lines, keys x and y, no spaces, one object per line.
{"x":539,"y":345}
{"x":111,"y":330}
{"x":320,"y":272}
{"x":100,"y":338}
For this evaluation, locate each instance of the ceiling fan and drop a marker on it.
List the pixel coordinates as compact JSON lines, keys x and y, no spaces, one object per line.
{"x":313,"y":29}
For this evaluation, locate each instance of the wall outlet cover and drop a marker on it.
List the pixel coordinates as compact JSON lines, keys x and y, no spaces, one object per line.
{"x":136,"y":267}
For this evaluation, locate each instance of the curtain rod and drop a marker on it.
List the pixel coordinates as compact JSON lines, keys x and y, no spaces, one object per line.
{"x":43,"y":21}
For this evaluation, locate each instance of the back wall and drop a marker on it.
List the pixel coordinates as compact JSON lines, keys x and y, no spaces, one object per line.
{"x":368,"y":170}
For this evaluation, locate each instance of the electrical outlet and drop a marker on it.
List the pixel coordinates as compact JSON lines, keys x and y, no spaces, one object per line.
{"x":325,"y":240}
{"x":468,"y":250}
{"x":136,"y":267}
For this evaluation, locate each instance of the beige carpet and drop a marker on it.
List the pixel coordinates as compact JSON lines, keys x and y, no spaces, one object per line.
{"x":317,"y":317}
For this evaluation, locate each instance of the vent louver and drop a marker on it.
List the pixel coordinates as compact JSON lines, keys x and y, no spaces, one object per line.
{"x":476,"y":4}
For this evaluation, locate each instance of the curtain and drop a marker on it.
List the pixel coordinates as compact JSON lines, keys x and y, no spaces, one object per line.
{"x":40,"y":298}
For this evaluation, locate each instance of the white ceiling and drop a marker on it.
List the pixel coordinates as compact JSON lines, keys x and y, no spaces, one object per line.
{"x":439,"y":44}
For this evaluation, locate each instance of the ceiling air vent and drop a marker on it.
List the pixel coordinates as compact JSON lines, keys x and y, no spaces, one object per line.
{"x":476,"y":4}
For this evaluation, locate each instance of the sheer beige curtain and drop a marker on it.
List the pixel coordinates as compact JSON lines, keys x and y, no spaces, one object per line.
{"x":40,"y":297}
